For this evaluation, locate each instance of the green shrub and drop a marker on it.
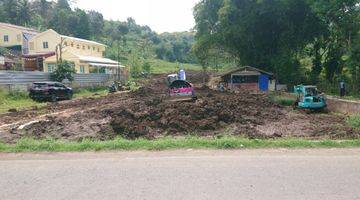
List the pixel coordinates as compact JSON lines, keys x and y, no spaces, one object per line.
{"x":64,"y":70}
{"x":354,"y":121}
{"x":132,"y":86}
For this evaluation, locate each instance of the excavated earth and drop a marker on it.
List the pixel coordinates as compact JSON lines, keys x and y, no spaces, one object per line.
{"x":148,"y":113}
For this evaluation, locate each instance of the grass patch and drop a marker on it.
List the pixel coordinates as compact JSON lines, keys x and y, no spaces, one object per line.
{"x":282,"y":99}
{"x":50,"y":145}
{"x":354,"y":121}
{"x":89,"y":92}
{"x":21,"y":100}
{"x":16,"y":100}
{"x":162,"y":66}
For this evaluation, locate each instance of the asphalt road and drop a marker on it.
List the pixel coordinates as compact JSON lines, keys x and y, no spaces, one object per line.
{"x":186,"y":174}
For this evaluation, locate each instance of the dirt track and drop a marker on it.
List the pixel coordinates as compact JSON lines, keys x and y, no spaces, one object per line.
{"x":147,"y":113}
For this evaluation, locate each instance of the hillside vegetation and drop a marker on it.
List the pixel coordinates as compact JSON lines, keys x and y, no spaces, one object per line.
{"x":302,"y":41}
{"x":131,"y":44}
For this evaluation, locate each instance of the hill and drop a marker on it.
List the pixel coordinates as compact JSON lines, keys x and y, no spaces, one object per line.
{"x":128,"y":42}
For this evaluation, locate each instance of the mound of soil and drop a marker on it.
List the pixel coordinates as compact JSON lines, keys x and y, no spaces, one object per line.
{"x":148,"y":113}
{"x":153,"y":116}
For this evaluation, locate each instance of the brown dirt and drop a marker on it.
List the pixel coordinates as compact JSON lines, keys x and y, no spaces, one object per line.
{"x":148,"y":113}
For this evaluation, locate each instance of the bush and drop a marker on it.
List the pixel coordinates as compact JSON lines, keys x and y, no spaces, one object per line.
{"x":64,"y":70}
{"x":132,"y":86}
{"x":146,"y":67}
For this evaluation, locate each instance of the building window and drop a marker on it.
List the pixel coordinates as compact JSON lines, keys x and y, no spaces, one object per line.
{"x":72,"y":44}
{"x":45,"y":45}
{"x":245,"y":79}
{"x":51,"y":67}
{"x":6,"y":38}
{"x":98,"y":50}
{"x":31,"y":45}
{"x":78,"y":46}
{"x":83,"y":47}
{"x":82,"y":69}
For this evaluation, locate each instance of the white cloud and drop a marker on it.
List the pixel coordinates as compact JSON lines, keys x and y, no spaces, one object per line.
{"x":159,"y":15}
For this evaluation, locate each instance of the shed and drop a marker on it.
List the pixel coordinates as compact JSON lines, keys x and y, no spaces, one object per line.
{"x":249,"y":78}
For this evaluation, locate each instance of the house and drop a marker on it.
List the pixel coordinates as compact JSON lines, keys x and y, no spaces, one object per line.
{"x":248,"y":78}
{"x":16,"y":38}
{"x":87,"y":56}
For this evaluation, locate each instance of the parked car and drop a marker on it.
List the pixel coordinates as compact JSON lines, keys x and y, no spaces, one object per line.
{"x":181,"y":90}
{"x":50,"y":91}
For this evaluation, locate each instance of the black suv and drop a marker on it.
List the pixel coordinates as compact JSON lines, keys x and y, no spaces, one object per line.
{"x":52,"y":91}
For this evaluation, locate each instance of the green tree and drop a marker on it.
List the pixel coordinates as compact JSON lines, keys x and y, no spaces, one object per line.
{"x":146,"y":67}
{"x":341,"y":19}
{"x":64,"y":70}
{"x":63,"y":4}
{"x":96,"y":21}
{"x":2,"y":14}
{"x":25,"y":12}
{"x":354,"y":64}
{"x":135,"y":65}
{"x":60,"y":21}
{"x":11,"y":11}
{"x":82,"y":27}
{"x":264,"y":34}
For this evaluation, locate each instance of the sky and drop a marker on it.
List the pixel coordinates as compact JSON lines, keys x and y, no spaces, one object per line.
{"x":160,"y":15}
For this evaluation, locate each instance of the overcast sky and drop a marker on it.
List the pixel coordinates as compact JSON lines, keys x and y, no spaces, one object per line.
{"x":160,"y":15}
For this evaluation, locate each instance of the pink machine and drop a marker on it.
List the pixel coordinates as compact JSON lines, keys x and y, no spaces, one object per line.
{"x":181,"y":90}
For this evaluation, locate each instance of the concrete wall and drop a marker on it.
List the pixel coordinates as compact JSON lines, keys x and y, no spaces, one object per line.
{"x":343,"y":106}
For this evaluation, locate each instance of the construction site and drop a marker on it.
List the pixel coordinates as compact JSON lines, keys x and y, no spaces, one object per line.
{"x":147,"y":113}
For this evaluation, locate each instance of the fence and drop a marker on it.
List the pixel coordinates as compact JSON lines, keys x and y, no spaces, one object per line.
{"x":14,"y":80}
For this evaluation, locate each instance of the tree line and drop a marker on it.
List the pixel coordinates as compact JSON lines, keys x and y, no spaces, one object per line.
{"x":125,"y":39}
{"x":301,"y":41}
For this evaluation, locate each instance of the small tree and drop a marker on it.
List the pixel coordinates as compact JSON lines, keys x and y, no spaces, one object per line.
{"x":146,"y":67}
{"x":135,"y":65}
{"x":64,"y":70}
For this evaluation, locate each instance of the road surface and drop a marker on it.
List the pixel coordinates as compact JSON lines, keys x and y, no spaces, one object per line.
{"x":183,"y":174}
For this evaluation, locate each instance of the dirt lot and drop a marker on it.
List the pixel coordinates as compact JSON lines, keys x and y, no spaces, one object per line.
{"x":147,"y":113}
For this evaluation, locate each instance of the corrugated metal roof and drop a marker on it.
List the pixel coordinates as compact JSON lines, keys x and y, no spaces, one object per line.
{"x":245,"y":68}
{"x":97,"y":60}
{"x":82,"y":40}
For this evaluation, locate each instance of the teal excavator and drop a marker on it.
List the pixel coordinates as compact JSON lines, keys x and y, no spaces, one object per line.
{"x":309,"y":98}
